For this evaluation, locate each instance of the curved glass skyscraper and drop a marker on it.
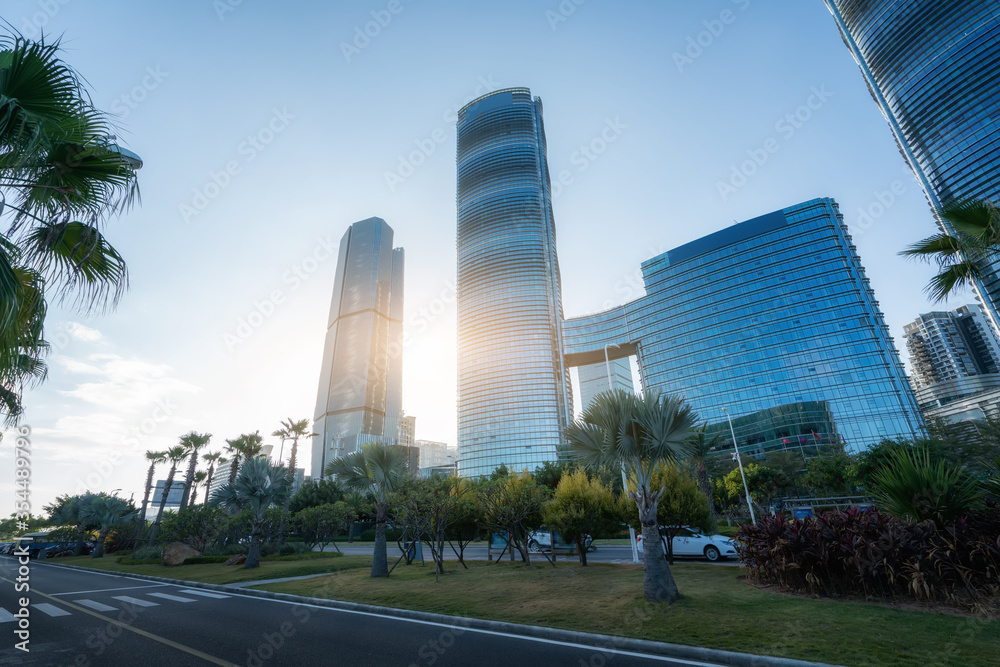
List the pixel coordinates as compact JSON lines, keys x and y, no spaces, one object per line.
{"x":513,"y":387}
{"x":933,"y":67}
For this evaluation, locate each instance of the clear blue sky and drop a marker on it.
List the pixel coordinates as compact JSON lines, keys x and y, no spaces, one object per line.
{"x":268,"y":128}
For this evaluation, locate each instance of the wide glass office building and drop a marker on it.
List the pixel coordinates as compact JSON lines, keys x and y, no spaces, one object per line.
{"x":933,"y":66}
{"x":773,"y":319}
{"x":360,"y":384}
{"x":514,"y":396}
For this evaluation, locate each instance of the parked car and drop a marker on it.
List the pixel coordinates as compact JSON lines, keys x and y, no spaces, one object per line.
{"x":691,"y":543}
{"x":541,"y":540}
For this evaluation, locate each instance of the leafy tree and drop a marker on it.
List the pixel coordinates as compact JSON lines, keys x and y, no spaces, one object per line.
{"x":831,"y":473}
{"x":499,"y":471}
{"x":314,"y":493}
{"x":362,"y":507}
{"x":154,"y":459}
{"x":963,"y":253}
{"x":319,"y":525}
{"x":71,"y":511}
{"x":513,"y":504}
{"x":465,"y":528}
{"x":106,"y":512}
{"x":581,"y":506}
{"x":192,"y":443}
{"x":60,"y":180}
{"x":548,"y":474}
{"x":197,"y":525}
{"x":766,"y":484}
{"x":378,"y":468}
{"x":174,"y":455}
{"x":682,"y":504}
{"x":431,"y":506}
{"x":258,"y":486}
{"x":637,"y":433}
{"x":9,"y":526}
{"x":912,"y":486}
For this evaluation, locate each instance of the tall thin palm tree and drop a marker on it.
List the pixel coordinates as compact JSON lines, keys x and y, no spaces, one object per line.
{"x":291,"y":430}
{"x":636,"y":433}
{"x":243,"y":448}
{"x":258,"y":486}
{"x":212,"y":458}
{"x":701,"y":446}
{"x":378,"y":468}
{"x":60,"y":179}
{"x":154,"y":459}
{"x":193,"y":442}
{"x":963,"y":253}
{"x":175,"y":455}
{"x":198,"y":478}
{"x":107,"y":512}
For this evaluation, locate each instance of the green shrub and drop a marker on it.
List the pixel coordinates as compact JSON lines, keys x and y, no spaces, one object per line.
{"x":912,"y":486}
{"x":391,"y":535}
{"x":127,"y":560}
{"x":311,"y":555}
{"x":145,"y":553}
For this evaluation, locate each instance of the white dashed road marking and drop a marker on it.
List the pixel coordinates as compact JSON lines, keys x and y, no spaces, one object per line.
{"x":96,"y":606}
{"x":175,"y":598}
{"x":50,"y":609}
{"x":136,"y":601}
{"x":205,"y":594}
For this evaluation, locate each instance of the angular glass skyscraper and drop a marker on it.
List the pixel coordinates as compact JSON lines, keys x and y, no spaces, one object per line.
{"x":773,"y":319}
{"x":514,"y":395}
{"x":360,"y":383}
{"x":932,"y":66}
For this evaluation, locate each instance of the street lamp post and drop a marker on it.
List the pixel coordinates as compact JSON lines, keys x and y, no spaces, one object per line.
{"x":739,"y":462}
{"x":631,"y":530}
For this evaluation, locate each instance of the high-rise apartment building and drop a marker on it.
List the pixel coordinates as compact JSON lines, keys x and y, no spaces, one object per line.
{"x":360,"y":385}
{"x":932,"y":66}
{"x":601,"y":377}
{"x":514,"y":393}
{"x":407,"y":431}
{"x":773,"y":319}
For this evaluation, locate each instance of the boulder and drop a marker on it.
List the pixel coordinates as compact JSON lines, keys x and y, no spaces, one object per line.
{"x":176,"y":552}
{"x":238,"y":559}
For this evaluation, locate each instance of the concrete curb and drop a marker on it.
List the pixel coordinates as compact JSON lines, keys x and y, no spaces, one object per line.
{"x":596,"y":641}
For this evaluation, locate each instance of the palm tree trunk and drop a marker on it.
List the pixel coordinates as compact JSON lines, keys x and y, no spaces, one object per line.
{"x":233,"y":467}
{"x":208,"y":481}
{"x":80,"y":530}
{"x":705,"y":485}
{"x":253,"y":557}
{"x":189,"y":480}
{"x":149,"y":486}
{"x":380,"y":560}
{"x":194,"y":496}
{"x":657,"y":579}
{"x":163,"y":502}
{"x":99,"y":549}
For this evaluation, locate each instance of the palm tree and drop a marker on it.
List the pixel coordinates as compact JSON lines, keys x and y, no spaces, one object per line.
{"x":244,"y":448}
{"x":291,"y":430}
{"x":154,"y":458}
{"x":69,"y":511}
{"x":213,"y":458}
{"x":107,"y":512}
{"x":258,"y":486}
{"x":378,"y":468}
{"x":636,"y":433}
{"x":198,"y":478}
{"x":174,"y":455}
{"x":193,"y":442}
{"x":701,"y":447}
{"x":60,"y":179}
{"x":963,"y":253}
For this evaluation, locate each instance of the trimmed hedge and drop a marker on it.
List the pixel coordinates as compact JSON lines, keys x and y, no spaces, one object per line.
{"x":202,"y":560}
{"x":876,"y":555}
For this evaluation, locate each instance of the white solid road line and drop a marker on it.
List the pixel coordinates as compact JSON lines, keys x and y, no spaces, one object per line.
{"x":136,"y":601}
{"x":5,"y":616}
{"x":96,"y":606}
{"x":50,"y":609}
{"x":204,"y":594}
{"x":175,"y":598}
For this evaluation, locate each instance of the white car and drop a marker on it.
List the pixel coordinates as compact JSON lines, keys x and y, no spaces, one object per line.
{"x":689,"y":542}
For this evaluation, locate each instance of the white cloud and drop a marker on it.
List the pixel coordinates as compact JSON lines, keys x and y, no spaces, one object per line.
{"x":81,"y":332}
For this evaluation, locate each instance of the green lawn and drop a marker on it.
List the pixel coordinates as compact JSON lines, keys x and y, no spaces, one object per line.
{"x":217,"y":573}
{"x":718,"y":610}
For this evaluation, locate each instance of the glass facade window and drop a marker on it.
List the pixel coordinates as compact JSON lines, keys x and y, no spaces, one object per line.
{"x":514,"y":395}
{"x":932,"y":66}
{"x":360,"y":384}
{"x":775,"y":311}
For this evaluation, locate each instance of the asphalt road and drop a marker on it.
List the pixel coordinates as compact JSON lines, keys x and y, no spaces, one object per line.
{"x":83,"y":618}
